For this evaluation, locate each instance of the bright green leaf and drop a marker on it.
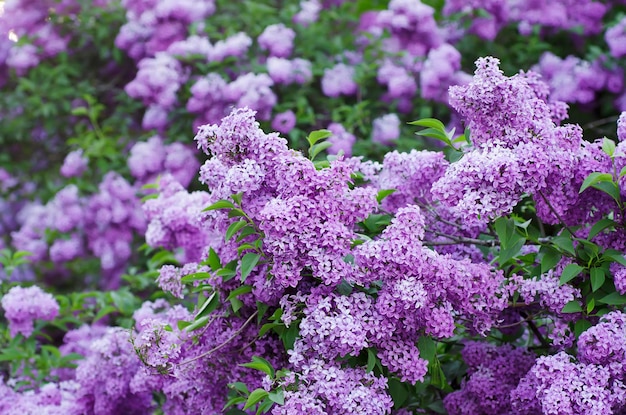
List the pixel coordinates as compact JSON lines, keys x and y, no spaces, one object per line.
{"x":318,"y":135}
{"x":256,"y":396}
{"x":234,"y":228}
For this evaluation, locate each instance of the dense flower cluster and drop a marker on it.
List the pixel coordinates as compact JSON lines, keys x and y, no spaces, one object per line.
{"x":24,"y":305}
{"x":476,"y":269}
{"x":493,"y":372}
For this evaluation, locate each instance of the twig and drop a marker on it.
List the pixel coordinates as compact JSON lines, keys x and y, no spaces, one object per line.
{"x":603,"y":121}
{"x":557,"y":215}
{"x":454,"y":240}
{"x":219,"y":346}
{"x":535,"y":330}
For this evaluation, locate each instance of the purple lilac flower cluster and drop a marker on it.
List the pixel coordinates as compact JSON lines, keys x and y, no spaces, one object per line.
{"x":150,"y":158}
{"x":24,"y":305}
{"x":493,"y":372}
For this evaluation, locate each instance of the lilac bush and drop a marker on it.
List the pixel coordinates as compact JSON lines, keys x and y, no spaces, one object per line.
{"x":312,"y":207}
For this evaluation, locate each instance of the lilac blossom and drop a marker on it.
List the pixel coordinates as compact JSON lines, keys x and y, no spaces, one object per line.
{"x":386,"y":129}
{"x":22,"y":306}
{"x":277,"y":39}
{"x":284,"y":122}
{"x":339,"y":80}
{"x":341,"y":140}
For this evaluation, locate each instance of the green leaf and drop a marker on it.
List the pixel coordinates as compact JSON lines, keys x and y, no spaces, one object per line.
{"x":247,"y":230}
{"x":590,"y":305}
{"x":580,"y":326}
{"x":427,"y":348}
{"x":104,"y":312}
{"x":226,"y":273}
{"x":383,"y":194}
{"x":277,"y":396}
{"x":209,"y":305}
{"x":196,"y":276}
{"x":234,"y":401}
{"x":197,"y":324}
{"x":599,"y":226}
{"x":593,"y":178}
{"x":371,"y":360}
{"x":256,"y":396}
{"x":565,"y":243}
{"x":234,"y":228}
{"x":597,"y":278}
{"x":237,"y":197}
{"x":398,"y":392}
{"x":622,"y":172}
{"x":258,"y":363}
{"x":614,"y":298}
{"x":289,"y":336}
{"x":317,"y":148}
{"x":610,"y":188}
{"x":550,"y":258}
{"x":572,"y":307}
{"x":236,"y":304}
{"x":318,"y":135}
{"x":615,"y":256}
{"x":267,"y":327}
{"x":569,"y":273}
{"x":430,"y":123}
{"x":214,"y":260}
{"x":234,"y":213}
{"x":220,"y":204}
{"x":608,"y":146}
{"x":244,"y":289}
{"x":248,"y":262}
{"x":439,"y":135}
{"x":240,"y":386}
{"x":437,"y":376}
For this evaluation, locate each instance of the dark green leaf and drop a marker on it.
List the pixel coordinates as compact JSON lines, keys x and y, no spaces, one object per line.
{"x":615,"y":256}
{"x":580,"y":326}
{"x":214,"y":260}
{"x":593,"y":178}
{"x":550,"y":258}
{"x":614,"y":298}
{"x":371,"y":360}
{"x":610,"y":188}
{"x":248,"y":262}
{"x":597,"y":278}
{"x":569,"y":273}
{"x":427,"y":348}
{"x":572,"y":307}
{"x":599,"y":226}
{"x":398,"y":392}
{"x":209,"y":305}
{"x":244,"y":289}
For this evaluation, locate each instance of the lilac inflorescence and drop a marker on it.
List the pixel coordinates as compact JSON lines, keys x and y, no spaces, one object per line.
{"x":22,"y":306}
